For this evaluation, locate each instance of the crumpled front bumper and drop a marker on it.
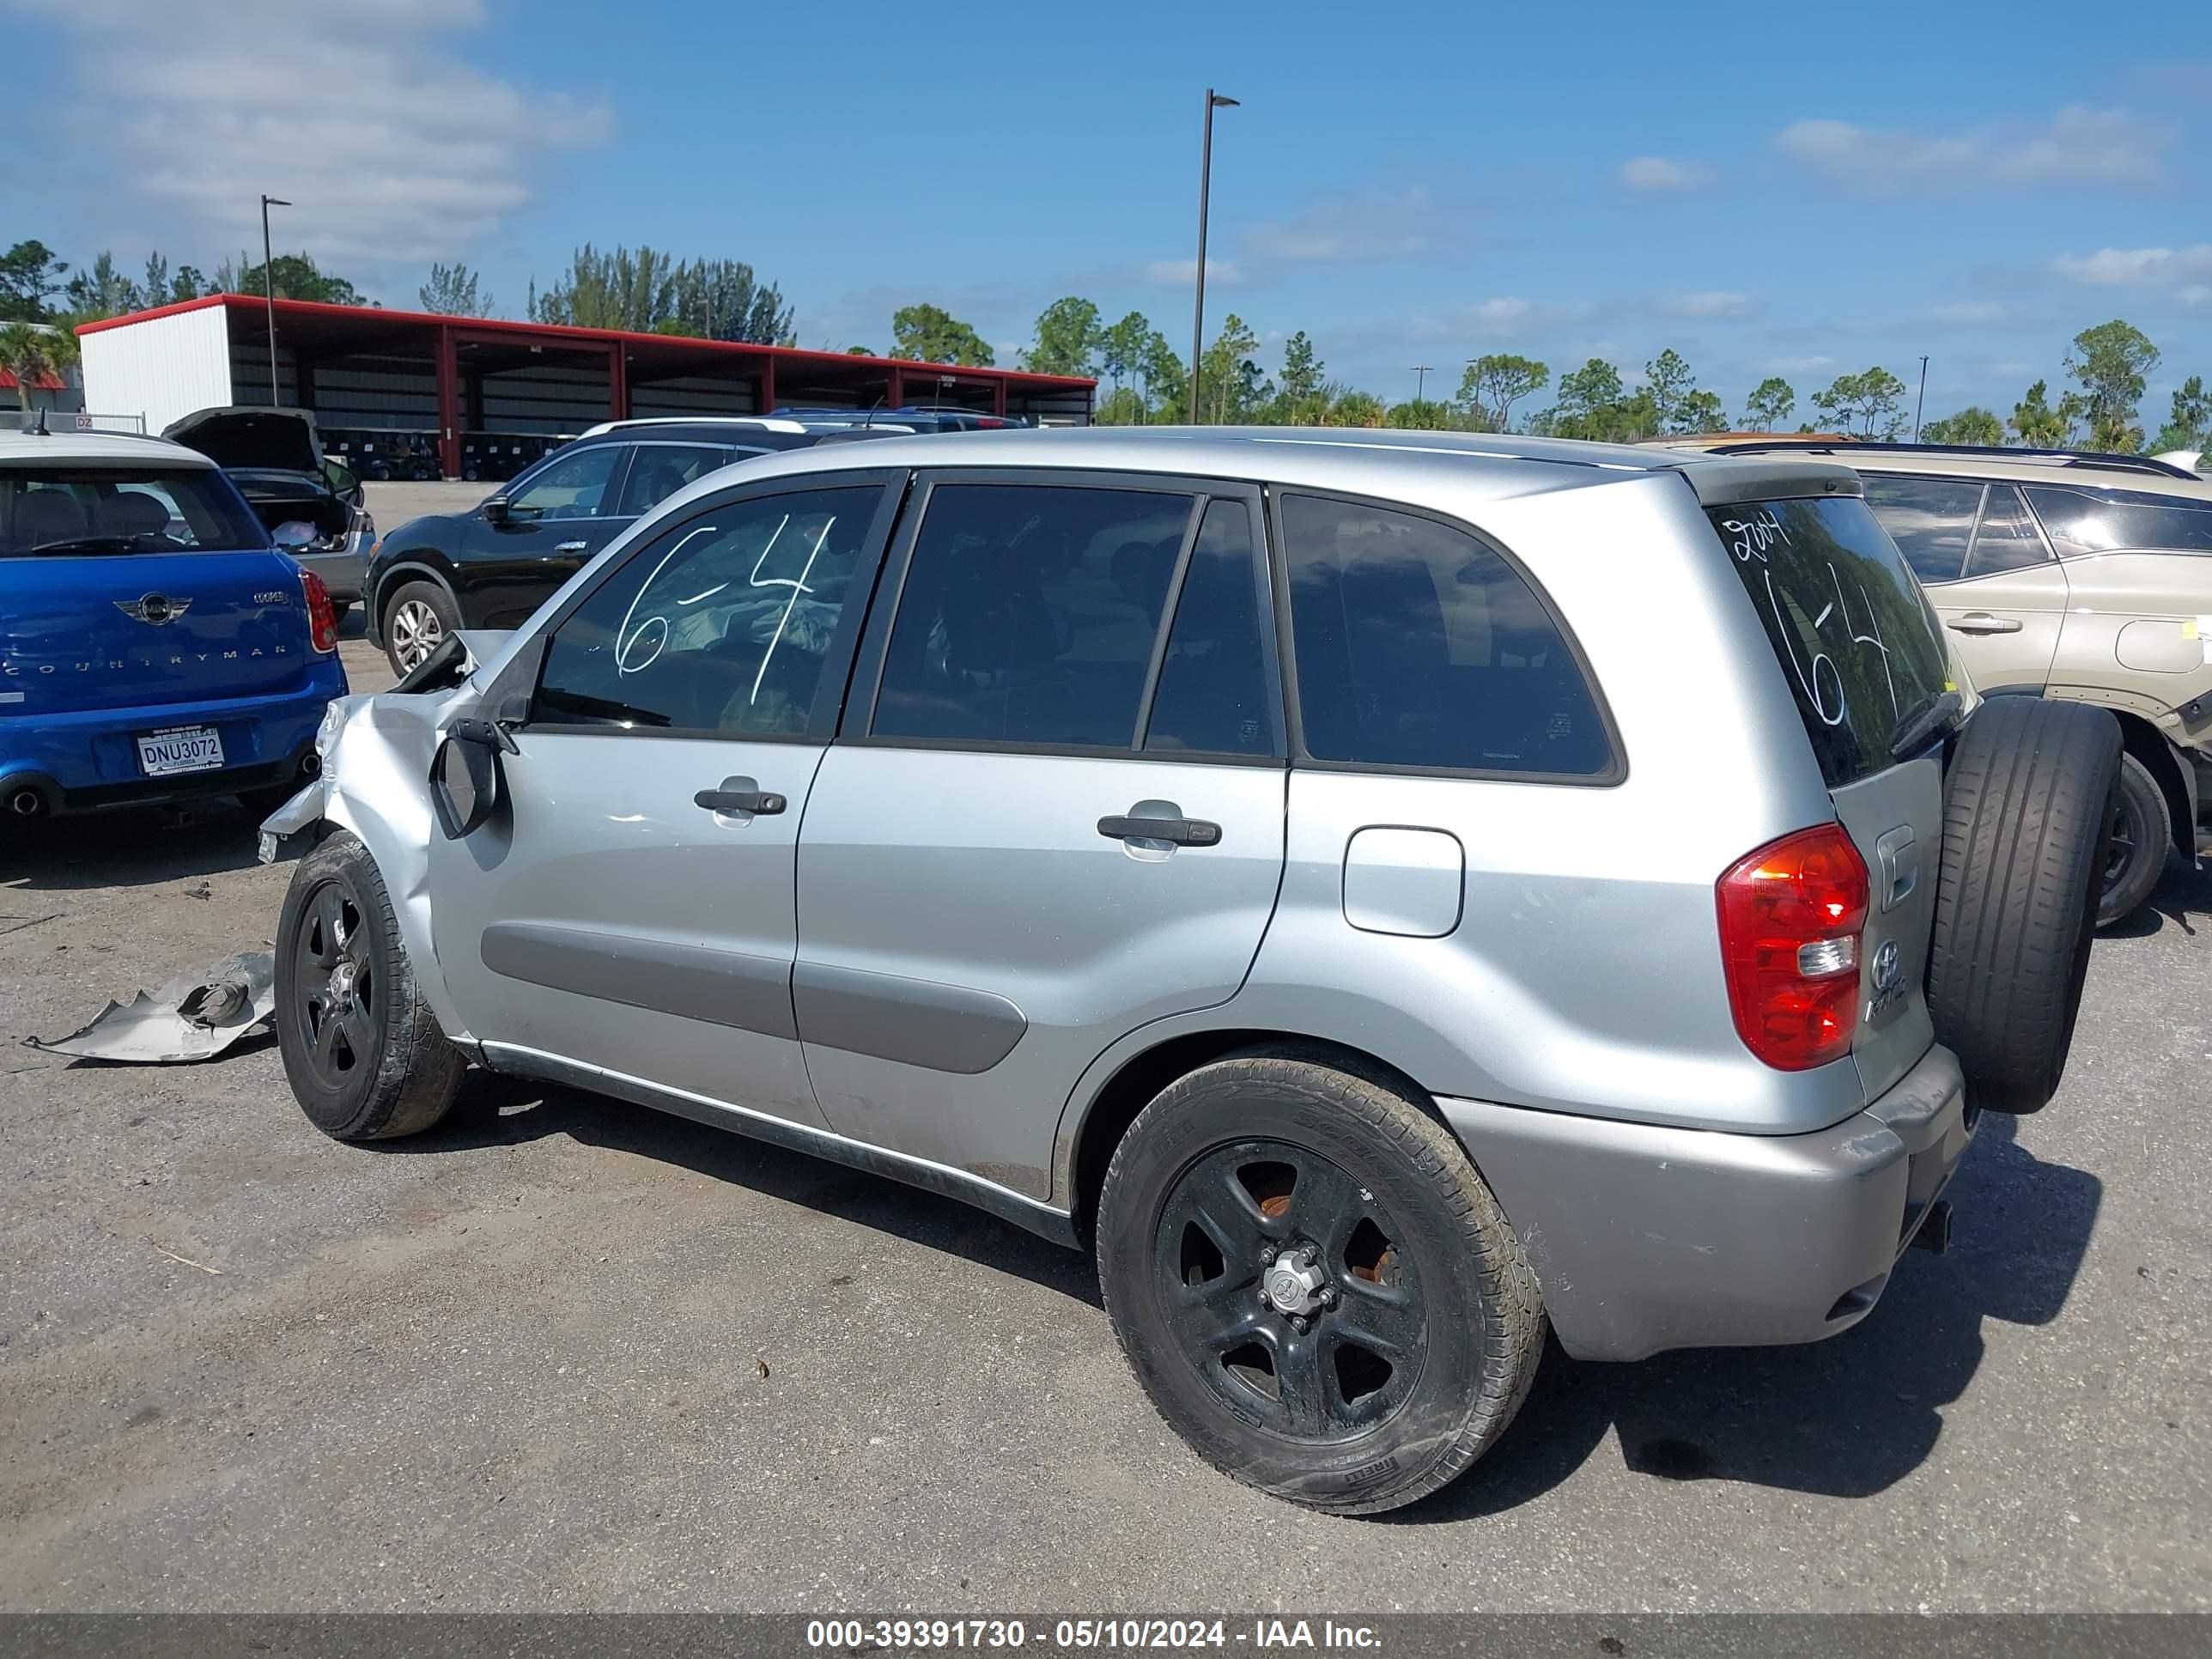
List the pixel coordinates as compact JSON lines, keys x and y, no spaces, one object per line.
{"x":1646,"y":1238}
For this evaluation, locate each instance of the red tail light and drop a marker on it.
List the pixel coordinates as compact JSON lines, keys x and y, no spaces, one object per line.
{"x":322,"y":614}
{"x":1791,"y":913}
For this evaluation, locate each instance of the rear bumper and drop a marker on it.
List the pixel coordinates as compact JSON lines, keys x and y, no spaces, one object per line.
{"x":1648,"y":1238}
{"x":343,"y":572}
{"x":89,"y":760}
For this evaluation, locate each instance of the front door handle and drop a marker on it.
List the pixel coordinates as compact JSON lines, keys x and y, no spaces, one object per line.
{"x":570,"y":547}
{"x":738,"y":795}
{"x":1980,"y":621}
{"x":1183,"y":832}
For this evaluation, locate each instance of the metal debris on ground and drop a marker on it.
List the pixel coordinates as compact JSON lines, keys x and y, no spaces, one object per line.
{"x":195,"y":1016}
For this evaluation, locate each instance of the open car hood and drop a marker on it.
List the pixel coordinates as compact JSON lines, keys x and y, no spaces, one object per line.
{"x":281,"y":440}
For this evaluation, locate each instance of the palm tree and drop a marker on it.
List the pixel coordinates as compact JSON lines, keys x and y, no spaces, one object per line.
{"x":33,"y":351}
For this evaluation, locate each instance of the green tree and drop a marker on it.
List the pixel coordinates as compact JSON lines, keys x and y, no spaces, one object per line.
{"x":1299,"y":398}
{"x":859,"y":351}
{"x":651,"y":292}
{"x":1874,"y":402}
{"x":1067,"y":339}
{"x":1970,"y":425}
{"x":2190,"y":424}
{"x":1772,"y":401}
{"x":32,"y":352}
{"x":2034,"y":423}
{"x":1350,"y":407}
{"x":1701,"y":411}
{"x":930,"y":334}
{"x":101,"y":290}
{"x":2113,"y":361}
{"x":1223,"y":384}
{"x":1121,"y":355}
{"x":1493,"y":384}
{"x":1161,"y":381}
{"x":453,"y":291}
{"x":297,"y":278}
{"x":30,"y":275}
{"x":1419,"y":415}
{"x":1595,"y":404}
{"x":1669,"y":380}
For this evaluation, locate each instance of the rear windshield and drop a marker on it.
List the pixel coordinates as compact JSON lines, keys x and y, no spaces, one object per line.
{"x":1854,"y":634}
{"x":101,"y":510}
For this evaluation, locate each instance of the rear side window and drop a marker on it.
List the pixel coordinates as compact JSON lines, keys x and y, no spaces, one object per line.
{"x":1855,"y":639}
{"x":1930,"y":520}
{"x":723,"y":624}
{"x":2109,"y":521}
{"x":659,"y":470}
{"x":2007,"y":539}
{"x":104,"y":511}
{"x":1028,"y":615}
{"x":1417,"y":646}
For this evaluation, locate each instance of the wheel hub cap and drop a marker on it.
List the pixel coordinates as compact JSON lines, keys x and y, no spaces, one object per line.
{"x":338,"y":992}
{"x":1294,"y":1282}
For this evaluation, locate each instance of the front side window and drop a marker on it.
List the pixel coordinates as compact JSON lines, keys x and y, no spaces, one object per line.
{"x":106,"y":511}
{"x":1416,"y":645}
{"x":1855,"y":640}
{"x":1930,"y":520}
{"x":2007,"y":539}
{"x":1028,"y":615}
{"x":723,"y":624}
{"x":2086,"y":520}
{"x":572,"y":487}
{"x":659,"y":470}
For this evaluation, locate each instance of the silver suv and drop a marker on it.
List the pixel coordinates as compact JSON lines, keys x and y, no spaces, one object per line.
{"x":1383,"y":891}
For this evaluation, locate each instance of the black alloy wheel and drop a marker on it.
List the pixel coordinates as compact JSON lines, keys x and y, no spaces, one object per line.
{"x":334,"y":995}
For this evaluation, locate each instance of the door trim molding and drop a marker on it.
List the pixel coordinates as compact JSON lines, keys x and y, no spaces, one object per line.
{"x":722,"y":987}
{"x":914,"y":1022}
{"x":987,"y":1195}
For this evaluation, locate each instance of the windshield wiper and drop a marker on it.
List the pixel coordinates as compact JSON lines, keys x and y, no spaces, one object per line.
{"x":1914,"y":732}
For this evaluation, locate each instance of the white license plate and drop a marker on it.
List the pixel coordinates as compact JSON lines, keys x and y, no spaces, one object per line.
{"x":185,"y":748}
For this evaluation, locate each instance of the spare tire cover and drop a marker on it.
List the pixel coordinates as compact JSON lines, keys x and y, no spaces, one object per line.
{"x":2026,"y":808}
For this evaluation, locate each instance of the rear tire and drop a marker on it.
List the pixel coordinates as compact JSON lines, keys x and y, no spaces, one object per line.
{"x":1413,"y":1333}
{"x":365,"y":1056}
{"x":2141,"y":832}
{"x":2027,"y":814}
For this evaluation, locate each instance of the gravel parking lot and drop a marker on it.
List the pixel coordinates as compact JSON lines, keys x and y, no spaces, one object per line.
{"x":567,"y":1354}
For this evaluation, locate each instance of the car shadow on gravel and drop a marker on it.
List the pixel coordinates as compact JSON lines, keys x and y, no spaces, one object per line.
{"x":2182,"y":899}
{"x":499,"y":1111}
{"x":134,"y":847}
{"x":1846,"y":1418}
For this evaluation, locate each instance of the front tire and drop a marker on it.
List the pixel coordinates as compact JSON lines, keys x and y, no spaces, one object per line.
{"x":419,"y":619}
{"x":1314,"y":1285}
{"x":365,"y":1056}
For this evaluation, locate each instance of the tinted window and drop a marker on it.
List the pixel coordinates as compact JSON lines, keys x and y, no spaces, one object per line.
{"x":2082,"y":521}
{"x":2007,"y":539}
{"x":1930,"y":520}
{"x":1213,"y":694}
{"x":572,"y":487}
{"x":1417,"y":646}
{"x":721,"y":624}
{"x":108,"y":510}
{"x":659,"y":470}
{"x":1028,"y":615}
{"x":1855,"y":640}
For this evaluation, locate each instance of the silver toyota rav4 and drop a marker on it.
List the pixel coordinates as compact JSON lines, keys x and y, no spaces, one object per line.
{"x":1383,"y":891}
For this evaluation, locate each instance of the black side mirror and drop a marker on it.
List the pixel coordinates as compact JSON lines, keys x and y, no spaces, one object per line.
{"x":465,"y":780}
{"x":496,"y":509}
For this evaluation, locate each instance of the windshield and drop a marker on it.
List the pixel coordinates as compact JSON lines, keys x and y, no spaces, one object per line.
{"x":1854,"y":633}
{"x":106,"y":510}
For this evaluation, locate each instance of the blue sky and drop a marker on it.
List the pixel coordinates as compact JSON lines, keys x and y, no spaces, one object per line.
{"x":1807,"y":192}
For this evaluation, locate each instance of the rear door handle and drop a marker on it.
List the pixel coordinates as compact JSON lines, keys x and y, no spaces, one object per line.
{"x":1183,"y":832}
{"x":738,"y":795}
{"x":570,"y":547}
{"x":1980,"y":621}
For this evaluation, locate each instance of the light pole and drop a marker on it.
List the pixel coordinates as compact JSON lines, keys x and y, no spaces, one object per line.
{"x":1921,"y":404}
{"x":1420,"y":380}
{"x":1213,"y":100}
{"x":269,"y":292}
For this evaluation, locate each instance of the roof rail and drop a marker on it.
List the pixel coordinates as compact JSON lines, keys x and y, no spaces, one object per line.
{"x":2112,"y":460}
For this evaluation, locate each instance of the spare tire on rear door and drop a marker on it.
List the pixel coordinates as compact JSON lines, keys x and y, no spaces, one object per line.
{"x":2026,"y":811}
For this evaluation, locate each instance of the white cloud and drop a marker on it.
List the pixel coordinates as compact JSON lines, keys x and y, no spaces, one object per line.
{"x":1501,"y":314}
{"x":1183,"y":272}
{"x":1657,"y":173}
{"x":1796,"y":365}
{"x":2147,"y":267}
{"x":1967,"y":313}
{"x":2078,"y":145}
{"x":2196,"y":294}
{"x":1356,"y":225}
{"x":387,"y":149}
{"x":1713,"y":302}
